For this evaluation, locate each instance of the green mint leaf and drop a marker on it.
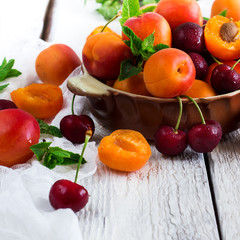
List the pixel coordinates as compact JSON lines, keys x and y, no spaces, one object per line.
{"x":135,"y":43}
{"x":58,"y":152}
{"x":128,"y":70}
{"x":130,"y":8}
{"x":6,"y":70}
{"x":205,"y":18}
{"x":40,"y":149}
{"x":223,"y":13}
{"x":109,"y":9}
{"x":13,"y":73}
{"x":147,"y":9}
{"x":3,"y":86}
{"x":160,"y":46}
{"x":49,"y":129}
{"x":148,"y":42}
{"x":53,"y":156}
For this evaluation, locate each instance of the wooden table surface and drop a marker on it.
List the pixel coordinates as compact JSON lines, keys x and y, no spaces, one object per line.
{"x":188,"y":197}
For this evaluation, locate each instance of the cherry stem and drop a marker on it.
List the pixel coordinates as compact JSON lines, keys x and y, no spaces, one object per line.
{"x":112,"y":19}
{"x":73,"y":99}
{"x":88,"y":135}
{"x":198,"y":108}
{"x":217,"y":61}
{"x":179,"y":115}
{"x":235,"y":64}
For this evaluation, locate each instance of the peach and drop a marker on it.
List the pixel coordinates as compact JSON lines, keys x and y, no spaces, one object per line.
{"x":146,"y":24}
{"x":232,"y":7}
{"x":169,"y":73}
{"x":55,"y":63}
{"x":177,"y":12}
{"x":102,"y":55}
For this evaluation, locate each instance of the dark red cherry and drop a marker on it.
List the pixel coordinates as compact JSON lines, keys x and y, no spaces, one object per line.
{"x":204,"y":138}
{"x":224,"y":79}
{"x":189,"y":37}
{"x":200,"y":65}
{"x":5,"y":104}
{"x":169,"y":142}
{"x":67,"y":194}
{"x":74,"y":127}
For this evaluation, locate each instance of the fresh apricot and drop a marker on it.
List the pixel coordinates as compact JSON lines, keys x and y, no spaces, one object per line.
{"x":39,"y":99}
{"x":102,"y":55}
{"x":124,"y":150}
{"x":200,"y":89}
{"x":99,"y":30}
{"x":232,"y":7}
{"x":177,"y":12}
{"x":55,"y":63}
{"x":134,"y":84}
{"x":222,"y":38}
{"x":213,"y":65}
{"x":149,"y":23}
{"x":169,"y":73}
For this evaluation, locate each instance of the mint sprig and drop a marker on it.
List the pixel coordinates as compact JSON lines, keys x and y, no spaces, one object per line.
{"x":49,"y":129}
{"x":130,"y":8}
{"x":141,"y":49}
{"x":53,"y":156}
{"x":7,"y":71}
{"x":109,"y":8}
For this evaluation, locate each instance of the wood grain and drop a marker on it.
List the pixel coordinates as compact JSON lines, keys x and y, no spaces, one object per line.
{"x":225,"y":173}
{"x":168,"y":199}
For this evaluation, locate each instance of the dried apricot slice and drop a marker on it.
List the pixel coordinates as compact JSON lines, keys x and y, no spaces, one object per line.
{"x":39,"y":99}
{"x":222,"y":37}
{"x":124,"y":150}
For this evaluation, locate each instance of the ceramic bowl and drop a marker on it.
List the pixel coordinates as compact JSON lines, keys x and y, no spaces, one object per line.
{"x":115,"y":109}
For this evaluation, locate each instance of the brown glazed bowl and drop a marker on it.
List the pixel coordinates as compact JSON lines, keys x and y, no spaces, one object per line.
{"x":116,"y":109}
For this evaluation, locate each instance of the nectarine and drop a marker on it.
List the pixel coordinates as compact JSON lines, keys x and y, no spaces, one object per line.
{"x":146,"y":24}
{"x":177,"y":12}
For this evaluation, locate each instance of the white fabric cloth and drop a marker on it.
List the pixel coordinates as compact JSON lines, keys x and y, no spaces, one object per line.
{"x":25,"y":211}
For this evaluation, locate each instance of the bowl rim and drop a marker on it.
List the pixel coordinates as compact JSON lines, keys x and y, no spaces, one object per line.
{"x":79,"y":84}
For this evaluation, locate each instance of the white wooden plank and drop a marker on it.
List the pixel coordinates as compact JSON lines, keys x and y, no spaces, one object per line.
{"x":168,"y":199}
{"x":20,"y":22}
{"x":225,"y":172}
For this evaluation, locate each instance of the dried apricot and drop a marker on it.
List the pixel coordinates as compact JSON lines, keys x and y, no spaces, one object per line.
{"x":222,"y":37}
{"x":39,"y":99}
{"x":124,"y":150}
{"x":134,"y":84}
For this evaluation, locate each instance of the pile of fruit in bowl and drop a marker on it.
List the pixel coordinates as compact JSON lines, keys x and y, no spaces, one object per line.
{"x":132,"y":80}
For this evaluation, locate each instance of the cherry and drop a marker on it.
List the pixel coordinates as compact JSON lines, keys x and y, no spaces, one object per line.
{"x":5,"y":104}
{"x":204,"y":138}
{"x":170,"y":141}
{"x":200,"y":65}
{"x":189,"y":37}
{"x":73,"y":127}
{"x":225,"y":79}
{"x":64,"y":193}
{"x":67,"y":194}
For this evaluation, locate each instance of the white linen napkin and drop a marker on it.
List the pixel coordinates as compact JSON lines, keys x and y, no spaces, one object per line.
{"x":25,"y":211}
